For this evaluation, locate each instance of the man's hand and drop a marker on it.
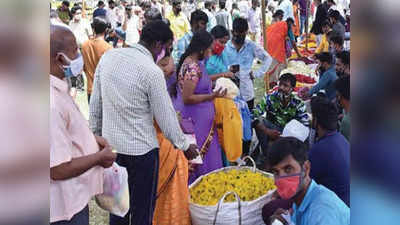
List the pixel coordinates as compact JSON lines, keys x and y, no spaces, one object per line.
{"x":273,"y":134}
{"x":191,"y":152}
{"x":219,"y":93}
{"x":229,"y":75}
{"x":106,"y":157}
{"x":278,"y":215}
{"x":101,"y":142}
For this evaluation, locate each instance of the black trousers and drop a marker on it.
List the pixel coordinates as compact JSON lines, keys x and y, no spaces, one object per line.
{"x":250,"y":104}
{"x":81,"y":218}
{"x":142,"y":180}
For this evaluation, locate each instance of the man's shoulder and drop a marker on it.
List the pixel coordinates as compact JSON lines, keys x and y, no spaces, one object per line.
{"x":323,"y":198}
{"x":97,"y":44}
{"x":144,"y":65}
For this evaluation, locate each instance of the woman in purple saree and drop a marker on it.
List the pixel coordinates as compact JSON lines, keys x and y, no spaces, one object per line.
{"x":193,"y":98}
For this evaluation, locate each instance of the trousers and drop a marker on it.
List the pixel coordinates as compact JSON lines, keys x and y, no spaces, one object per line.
{"x":81,"y":218}
{"x":142,"y":180}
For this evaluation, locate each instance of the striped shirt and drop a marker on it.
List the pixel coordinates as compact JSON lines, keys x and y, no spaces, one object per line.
{"x":129,"y":92}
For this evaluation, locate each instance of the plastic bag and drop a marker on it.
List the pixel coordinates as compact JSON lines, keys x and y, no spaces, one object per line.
{"x":115,"y":197}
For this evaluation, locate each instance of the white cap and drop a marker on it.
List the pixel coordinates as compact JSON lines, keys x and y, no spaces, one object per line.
{"x":296,"y":129}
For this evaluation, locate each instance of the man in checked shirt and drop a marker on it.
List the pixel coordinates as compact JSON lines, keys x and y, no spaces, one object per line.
{"x":129,"y":93}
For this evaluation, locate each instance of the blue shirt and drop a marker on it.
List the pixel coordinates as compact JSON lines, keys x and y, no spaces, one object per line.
{"x":216,"y":64}
{"x":330,"y":164}
{"x":320,"y":206}
{"x":245,"y":58}
{"x":246,"y":116}
{"x":99,"y":12}
{"x":181,"y":47}
{"x":326,"y":82}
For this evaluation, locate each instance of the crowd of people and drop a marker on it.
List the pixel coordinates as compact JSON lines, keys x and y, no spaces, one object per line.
{"x":171,"y":81}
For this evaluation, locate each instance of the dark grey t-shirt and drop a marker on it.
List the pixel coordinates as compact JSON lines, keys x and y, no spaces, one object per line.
{"x":339,"y":29}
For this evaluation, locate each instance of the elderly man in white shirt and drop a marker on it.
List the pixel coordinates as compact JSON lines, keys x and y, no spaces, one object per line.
{"x":131,"y":26}
{"x":287,"y":7}
{"x":80,"y":27}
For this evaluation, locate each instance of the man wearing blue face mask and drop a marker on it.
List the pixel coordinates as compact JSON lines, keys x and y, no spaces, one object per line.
{"x":311,"y":203}
{"x":129,"y":95}
{"x":77,"y":157}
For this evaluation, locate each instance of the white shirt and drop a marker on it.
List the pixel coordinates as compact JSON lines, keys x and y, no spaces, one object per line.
{"x":287,"y":7}
{"x":82,"y":30}
{"x":120,"y":12}
{"x":340,"y":6}
{"x":189,"y":8}
{"x":228,"y":5}
{"x":157,"y":6}
{"x":132,"y":30}
{"x":167,"y":8}
{"x":112,"y":17}
{"x":254,"y":20}
{"x":224,"y":18}
{"x":212,"y":22}
{"x":244,"y":9}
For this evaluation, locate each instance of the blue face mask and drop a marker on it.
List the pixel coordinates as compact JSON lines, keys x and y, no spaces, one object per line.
{"x":74,"y":67}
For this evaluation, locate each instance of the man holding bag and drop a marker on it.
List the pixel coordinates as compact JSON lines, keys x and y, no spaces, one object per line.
{"x":77,"y":157}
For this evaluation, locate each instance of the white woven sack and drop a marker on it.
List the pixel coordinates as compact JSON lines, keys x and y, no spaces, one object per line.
{"x":231,"y":213}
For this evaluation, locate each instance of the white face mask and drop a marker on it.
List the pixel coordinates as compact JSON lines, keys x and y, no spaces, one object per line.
{"x":74,"y":67}
{"x":78,"y":17}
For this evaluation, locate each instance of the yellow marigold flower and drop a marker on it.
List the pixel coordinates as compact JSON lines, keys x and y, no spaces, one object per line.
{"x":247,"y":184}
